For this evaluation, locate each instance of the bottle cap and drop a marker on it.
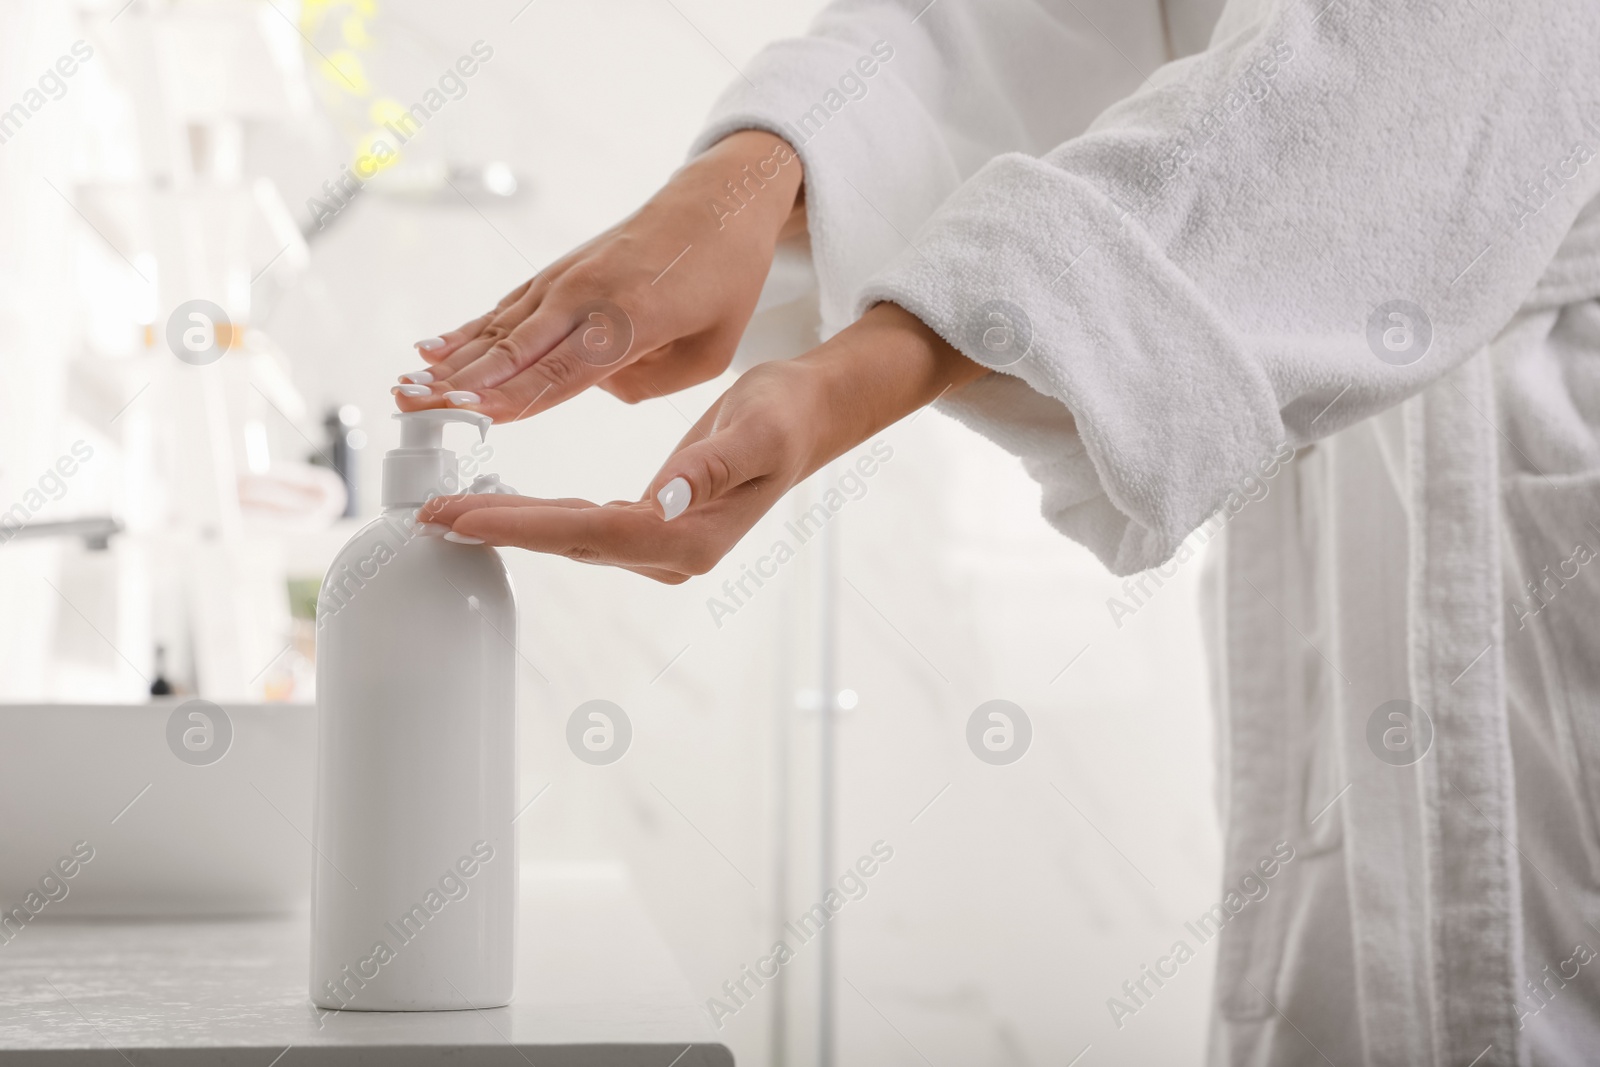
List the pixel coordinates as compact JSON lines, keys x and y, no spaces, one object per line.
{"x":422,"y":467}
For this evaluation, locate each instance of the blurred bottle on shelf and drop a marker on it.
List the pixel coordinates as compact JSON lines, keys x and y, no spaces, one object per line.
{"x":159,"y":686}
{"x":345,"y":439}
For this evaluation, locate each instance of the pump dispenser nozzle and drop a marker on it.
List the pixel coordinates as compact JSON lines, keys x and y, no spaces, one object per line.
{"x":425,"y":429}
{"x":422,"y":467}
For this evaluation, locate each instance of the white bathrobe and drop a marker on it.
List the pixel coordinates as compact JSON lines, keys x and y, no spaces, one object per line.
{"x":1190,"y":260}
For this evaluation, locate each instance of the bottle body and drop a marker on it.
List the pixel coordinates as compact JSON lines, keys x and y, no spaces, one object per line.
{"x":415,"y":870}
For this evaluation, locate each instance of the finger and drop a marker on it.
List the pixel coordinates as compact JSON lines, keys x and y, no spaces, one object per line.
{"x":546,"y":366}
{"x":659,"y":574}
{"x":443,"y":511}
{"x":502,"y":321}
{"x":517,"y":348}
{"x":512,"y":310}
{"x":446,"y":509}
{"x":710,"y":463}
{"x":434,"y":388}
{"x":464,"y":345}
{"x":627,"y":535}
{"x":420,"y":389}
{"x":434,"y":349}
{"x":602,"y":333}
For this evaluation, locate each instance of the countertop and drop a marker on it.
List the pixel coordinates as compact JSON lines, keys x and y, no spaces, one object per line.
{"x":595,"y":987}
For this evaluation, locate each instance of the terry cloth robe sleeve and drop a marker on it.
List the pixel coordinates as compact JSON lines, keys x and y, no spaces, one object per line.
{"x":1324,"y":212}
{"x":891,"y":104}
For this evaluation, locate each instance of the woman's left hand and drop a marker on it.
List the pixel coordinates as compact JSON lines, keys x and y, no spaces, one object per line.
{"x":776,"y":425}
{"x":754,"y":443}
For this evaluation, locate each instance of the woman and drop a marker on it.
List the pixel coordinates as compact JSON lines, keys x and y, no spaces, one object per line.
{"x":1363,"y":232}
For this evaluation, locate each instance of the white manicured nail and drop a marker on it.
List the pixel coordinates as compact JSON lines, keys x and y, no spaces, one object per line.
{"x":411,"y":390}
{"x":432,"y":529}
{"x":418,"y":377}
{"x":462,"y":396}
{"x":430,"y":344}
{"x":674,"y":498}
{"x":463,"y":539}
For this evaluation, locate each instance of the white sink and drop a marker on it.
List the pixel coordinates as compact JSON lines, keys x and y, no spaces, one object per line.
{"x":169,"y":837}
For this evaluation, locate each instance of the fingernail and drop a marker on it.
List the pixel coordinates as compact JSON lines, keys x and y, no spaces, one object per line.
{"x":430,"y":528}
{"x":430,"y":344}
{"x":463,"y":539}
{"x":461,"y":396}
{"x":418,"y":377}
{"x":674,"y":498}
{"x":411,"y":390}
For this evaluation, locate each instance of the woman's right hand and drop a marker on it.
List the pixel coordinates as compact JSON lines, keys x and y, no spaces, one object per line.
{"x":655,"y":304}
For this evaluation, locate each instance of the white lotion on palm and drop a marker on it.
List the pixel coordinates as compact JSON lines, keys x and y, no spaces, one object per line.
{"x":415,"y":867}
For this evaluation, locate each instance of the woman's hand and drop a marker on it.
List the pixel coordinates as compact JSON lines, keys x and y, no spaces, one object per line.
{"x":776,"y":425}
{"x":655,"y":304}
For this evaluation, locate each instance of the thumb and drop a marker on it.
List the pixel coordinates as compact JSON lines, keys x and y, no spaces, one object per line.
{"x":696,"y":474}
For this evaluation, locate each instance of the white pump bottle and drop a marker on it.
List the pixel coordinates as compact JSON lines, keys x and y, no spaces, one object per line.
{"x":415,"y":866}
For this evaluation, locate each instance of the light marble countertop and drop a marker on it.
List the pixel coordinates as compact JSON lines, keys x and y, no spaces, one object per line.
{"x":595,"y":987}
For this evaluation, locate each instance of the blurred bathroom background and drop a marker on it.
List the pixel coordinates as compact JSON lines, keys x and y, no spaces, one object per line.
{"x":201,"y":322}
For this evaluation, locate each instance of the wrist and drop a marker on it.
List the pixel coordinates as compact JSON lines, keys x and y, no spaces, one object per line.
{"x":752,"y":177}
{"x":878,"y":370}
